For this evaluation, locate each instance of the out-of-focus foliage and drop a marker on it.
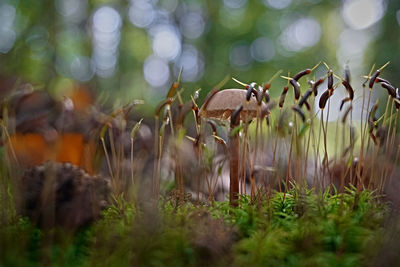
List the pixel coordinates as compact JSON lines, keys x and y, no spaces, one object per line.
{"x":301,"y":228}
{"x":134,"y":49}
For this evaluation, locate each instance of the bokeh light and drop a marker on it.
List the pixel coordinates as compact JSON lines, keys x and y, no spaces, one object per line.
{"x":106,"y":36}
{"x":352,"y":45}
{"x":192,"y":25}
{"x":141,"y":13}
{"x":72,"y":10}
{"x":156,"y":71}
{"x":82,"y":68}
{"x":398,"y":16}
{"x":235,"y":3}
{"x":361,"y":14}
{"x":7,"y":33}
{"x":277,"y":4}
{"x":166,"y":41}
{"x":301,"y":34}
{"x":192,"y":62}
{"x":262,"y":49}
{"x":136,"y":45}
{"x":240,"y":55}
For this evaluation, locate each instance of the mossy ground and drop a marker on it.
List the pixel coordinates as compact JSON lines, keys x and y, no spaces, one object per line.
{"x":300,"y":228}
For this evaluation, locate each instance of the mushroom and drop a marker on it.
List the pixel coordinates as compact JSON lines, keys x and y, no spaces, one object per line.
{"x":231,"y":103}
{"x":221,"y":105}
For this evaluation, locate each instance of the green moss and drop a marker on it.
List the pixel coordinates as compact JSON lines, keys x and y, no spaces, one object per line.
{"x":299,"y":228}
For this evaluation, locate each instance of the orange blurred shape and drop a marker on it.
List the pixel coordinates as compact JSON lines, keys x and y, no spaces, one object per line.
{"x":81,"y":98}
{"x":32,"y":149}
{"x":69,"y":148}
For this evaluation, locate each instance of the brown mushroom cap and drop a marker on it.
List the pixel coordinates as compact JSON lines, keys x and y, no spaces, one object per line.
{"x":224,"y":102}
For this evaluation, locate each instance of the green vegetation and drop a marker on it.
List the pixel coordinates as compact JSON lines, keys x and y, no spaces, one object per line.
{"x":303,"y":228}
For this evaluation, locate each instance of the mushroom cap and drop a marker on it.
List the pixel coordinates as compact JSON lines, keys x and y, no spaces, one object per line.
{"x":224,"y":102}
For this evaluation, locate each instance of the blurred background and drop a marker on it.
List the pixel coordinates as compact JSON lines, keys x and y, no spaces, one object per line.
{"x":134,"y":49}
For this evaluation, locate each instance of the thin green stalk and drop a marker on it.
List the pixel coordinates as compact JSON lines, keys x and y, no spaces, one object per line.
{"x":107,"y":158}
{"x":132,"y":180}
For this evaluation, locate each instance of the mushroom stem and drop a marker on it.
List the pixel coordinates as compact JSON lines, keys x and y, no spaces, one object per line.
{"x":234,"y":158}
{"x":234,"y":170}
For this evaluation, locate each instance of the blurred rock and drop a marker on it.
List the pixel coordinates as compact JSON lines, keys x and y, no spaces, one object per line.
{"x":60,"y":194}
{"x":212,"y":237}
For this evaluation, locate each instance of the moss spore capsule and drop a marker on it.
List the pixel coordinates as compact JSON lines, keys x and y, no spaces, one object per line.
{"x":298,"y":110}
{"x":305,"y":97}
{"x":316,"y":85}
{"x":301,"y":74}
{"x":235,"y":117}
{"x":373,"y":78}
{"x":296,"y":88}
{"x":346,"y":113}
{"x":349,"y":89}
{"x":324,"y":98}
{"x":330,"y":79}
{"x":347,"y":75}
{"x":249,"y":92}
{"x":390,"y":89}
{"x":267,"y":97}
{"x":344,"y":100}
{"x":381,"y":80}
{"x":283,"y":96}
